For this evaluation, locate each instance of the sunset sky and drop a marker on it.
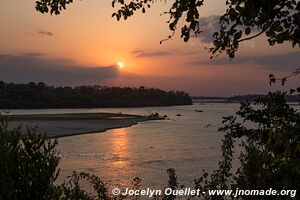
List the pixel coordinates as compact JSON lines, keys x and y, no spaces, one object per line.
{"x":84,"y":44}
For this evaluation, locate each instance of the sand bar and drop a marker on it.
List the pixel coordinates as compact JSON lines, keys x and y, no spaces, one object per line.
{"x":62,"y":125}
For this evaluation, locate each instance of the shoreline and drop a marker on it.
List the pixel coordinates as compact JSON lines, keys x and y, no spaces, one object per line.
{"x":85,"y":133}
{"x":91,"y":132}
{"x":65,"y":125}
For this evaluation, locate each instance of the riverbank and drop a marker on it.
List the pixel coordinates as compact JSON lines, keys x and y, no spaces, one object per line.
{"x":63,"y":125}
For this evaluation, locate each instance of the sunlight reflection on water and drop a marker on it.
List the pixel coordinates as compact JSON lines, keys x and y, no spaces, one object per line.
{"x":188,"y":143}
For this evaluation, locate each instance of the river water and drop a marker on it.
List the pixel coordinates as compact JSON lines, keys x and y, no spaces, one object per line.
{"x":188,"y":143}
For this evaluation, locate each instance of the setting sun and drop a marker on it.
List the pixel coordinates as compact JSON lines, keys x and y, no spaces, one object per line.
{"x":120,"y":65}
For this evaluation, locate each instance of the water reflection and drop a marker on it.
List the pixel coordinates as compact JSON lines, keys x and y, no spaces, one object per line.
{"x":119,"y":148}
{"x":149,"y":148}
{"x":103,"y":154}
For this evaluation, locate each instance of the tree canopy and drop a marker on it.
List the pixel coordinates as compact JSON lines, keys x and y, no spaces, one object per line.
{"x":39,"y":95}
{"x":278,"y":20}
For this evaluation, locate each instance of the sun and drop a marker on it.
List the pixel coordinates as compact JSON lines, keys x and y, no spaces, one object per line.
{"x":120,"y":65}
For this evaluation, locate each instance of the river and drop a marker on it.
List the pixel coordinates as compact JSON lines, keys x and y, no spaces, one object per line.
{"x":188,"y":142}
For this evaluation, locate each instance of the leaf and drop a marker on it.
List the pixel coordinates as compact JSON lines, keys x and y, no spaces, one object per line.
{"x":247,"y":30}
{"x":238,"y":35}
{"x":272,"y":80}
{"x":283,"y":81}
{"x":292,"y":91}
{"x":280,"y":38}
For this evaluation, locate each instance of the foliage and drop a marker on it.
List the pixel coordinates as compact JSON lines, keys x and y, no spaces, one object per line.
{"x":73,"y":189}
{"x":273,"y":79}
{"x":52,"y":6}
{"x":243,"y":20}
{"x":247,"y":97}
{"x":270,"y":156}
{"x":278,"y":19}
{"x":32,"y":95}
{"x":28,"y":164}
{"x":172,"y":183}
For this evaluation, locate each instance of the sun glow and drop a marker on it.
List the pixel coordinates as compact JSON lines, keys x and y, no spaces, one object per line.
{"x":120,"y":65}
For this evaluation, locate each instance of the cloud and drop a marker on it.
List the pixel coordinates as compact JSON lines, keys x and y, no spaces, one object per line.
{"x":280,"y":62}
{"x":22,"y":69}
{"x":135,"y":52}
{"x":211,"y":24}
{"x":34,"y":54}
{"x":45,"y":33}
{"x":189,"y":53}
{"x":143,"y":54}
{"x":208,"y":26}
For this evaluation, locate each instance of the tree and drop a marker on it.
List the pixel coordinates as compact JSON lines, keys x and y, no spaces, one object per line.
{"x":243,"y":20}
{"x":32,"y":95}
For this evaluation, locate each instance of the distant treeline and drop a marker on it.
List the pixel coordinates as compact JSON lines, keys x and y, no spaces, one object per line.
{"x":39,"y":95}
{"x":250,"y":97}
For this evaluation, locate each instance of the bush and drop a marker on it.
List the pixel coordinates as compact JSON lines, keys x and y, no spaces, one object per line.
{"x":28,"y":164}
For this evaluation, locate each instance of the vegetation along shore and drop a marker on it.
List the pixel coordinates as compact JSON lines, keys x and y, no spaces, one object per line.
{"x":40,"y":96}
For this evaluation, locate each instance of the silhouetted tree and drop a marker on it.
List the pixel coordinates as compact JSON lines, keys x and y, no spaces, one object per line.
{"x":32,"y":95}
{"x":243,"y":20}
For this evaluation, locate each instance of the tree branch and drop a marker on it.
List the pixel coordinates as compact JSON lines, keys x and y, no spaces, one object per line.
{"x":256,"y":35}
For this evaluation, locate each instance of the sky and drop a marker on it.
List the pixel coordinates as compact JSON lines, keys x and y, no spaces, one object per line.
{"x":84,"y":44}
